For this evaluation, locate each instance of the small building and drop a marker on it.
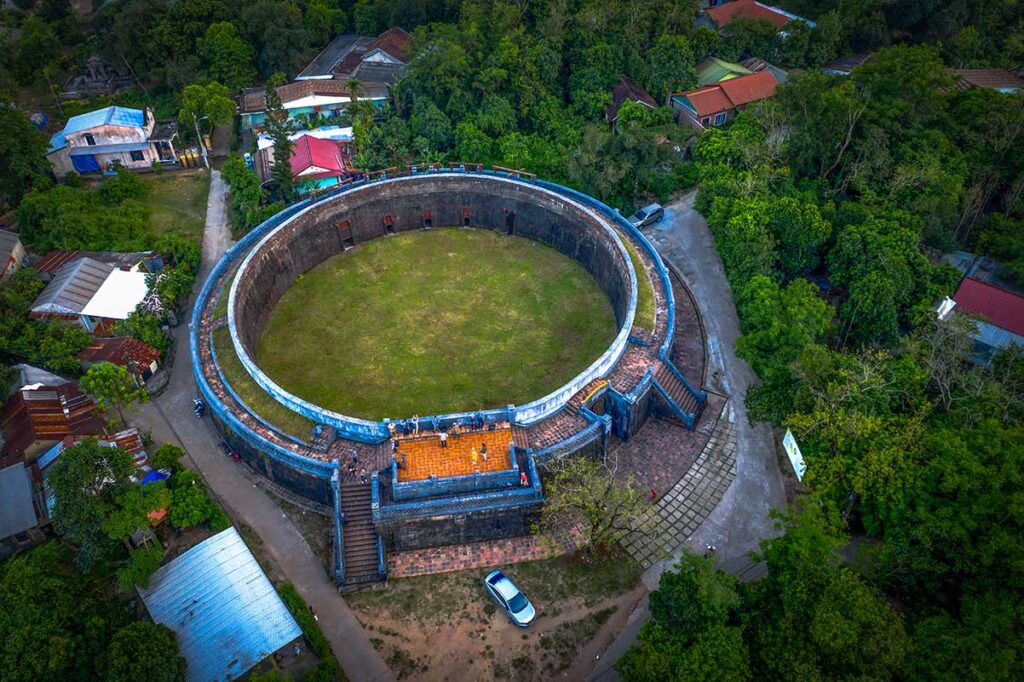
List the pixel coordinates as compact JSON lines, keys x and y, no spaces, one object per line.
{"x":717,"y":104}
{"x":318,"y":163}
{"x":844,"y":66}
{"x":92,"y":142}
{"x":13,"y":256}
{"x":723,"y":15}
{"x":369,"y":60}
{"x":1000,"y":316}
{"x":1000,"y":80}
{"x":29,"y":375}
{"x":97,"y":79}
{"x":627,"y":91}
{"x":306,"y":99}
{"x":22,"y":511}
{"x":713,"y":70}
{"x":225,"y":613}
{"x":141,"y":359}
{"x":36,"y":417}
{"x":93,"y":294}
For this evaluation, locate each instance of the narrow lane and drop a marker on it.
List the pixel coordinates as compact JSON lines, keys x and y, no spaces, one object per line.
{"x":169,"y":418}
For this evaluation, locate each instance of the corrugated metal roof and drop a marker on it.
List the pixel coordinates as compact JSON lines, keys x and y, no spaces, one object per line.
{"x":16,"y":513}
{"x":28,"y":375}
{"x":1004,"y":309}
{"x":72,"y":287}
{"x":223,"y":609}
{"x":8,"y":240}
{"x":114,"y":116}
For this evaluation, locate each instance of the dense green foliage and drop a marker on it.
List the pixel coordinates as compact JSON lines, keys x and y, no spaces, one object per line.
{"x":191,"y":503}
{"x":144,"y":651}
{"x":908,"y":446}
{"x":51,"y":345}
{"x":328,"y":668}
{"x":58,"y":624}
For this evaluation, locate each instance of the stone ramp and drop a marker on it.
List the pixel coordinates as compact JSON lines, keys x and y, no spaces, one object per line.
{"x":681,"y":509}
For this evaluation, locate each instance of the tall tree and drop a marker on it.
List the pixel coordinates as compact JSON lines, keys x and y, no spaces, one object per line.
{"x":204,"y":106}
{"x":279,"y":126}
{"x":23,"y":164}
{"x":144,"y":651}
{"x":227,"y":58}
{"x":113,"y":386}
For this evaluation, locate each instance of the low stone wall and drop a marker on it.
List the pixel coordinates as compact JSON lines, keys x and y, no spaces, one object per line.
{"x":457,"y":529}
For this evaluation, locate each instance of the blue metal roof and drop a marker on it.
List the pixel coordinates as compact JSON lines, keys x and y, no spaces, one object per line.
{"x":222,"y":608}
{"x":115,"y":116}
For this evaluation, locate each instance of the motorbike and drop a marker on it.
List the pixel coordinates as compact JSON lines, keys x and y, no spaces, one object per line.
{"x":199,"y":407}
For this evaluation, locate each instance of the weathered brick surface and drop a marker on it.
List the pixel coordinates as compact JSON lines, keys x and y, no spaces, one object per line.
{"x":426,"y":457}
{"x":473,"y":555}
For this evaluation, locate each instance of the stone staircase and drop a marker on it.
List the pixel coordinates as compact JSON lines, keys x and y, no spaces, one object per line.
{"x":683,"y":397}
{"x":359,"y":537}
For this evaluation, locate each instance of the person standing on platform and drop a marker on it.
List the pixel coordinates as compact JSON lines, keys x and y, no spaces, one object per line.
{"x":444,"y":439}
{"x":474,"y":456}
{"x":416,"y":425}
{"x":483,"y":451}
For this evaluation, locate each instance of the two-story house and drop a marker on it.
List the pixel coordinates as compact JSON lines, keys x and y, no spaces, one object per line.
{"x":94,"y":141}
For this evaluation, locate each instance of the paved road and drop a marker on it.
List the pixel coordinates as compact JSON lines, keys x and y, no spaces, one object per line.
{"x":741,"y":520}
{"x":169,"y":417}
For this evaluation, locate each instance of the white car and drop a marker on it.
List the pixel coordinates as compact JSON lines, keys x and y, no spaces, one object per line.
{"x":509,"y":598}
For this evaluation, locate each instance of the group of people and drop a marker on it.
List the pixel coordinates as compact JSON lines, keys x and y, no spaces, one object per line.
{"x":355,"y":471}
{"x":412,"y":427}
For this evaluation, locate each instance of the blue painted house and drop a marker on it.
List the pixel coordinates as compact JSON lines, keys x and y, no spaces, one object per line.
{"x":113,"y":135}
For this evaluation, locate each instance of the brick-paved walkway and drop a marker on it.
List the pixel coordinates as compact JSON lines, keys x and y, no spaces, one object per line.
{"x":473,"y":555}
{"x":664,"y":450}
{"x":680,"y":510}
{"x":426,"y":457}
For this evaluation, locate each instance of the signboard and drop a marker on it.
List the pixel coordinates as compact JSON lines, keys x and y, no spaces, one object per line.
{"x":795,"y":458}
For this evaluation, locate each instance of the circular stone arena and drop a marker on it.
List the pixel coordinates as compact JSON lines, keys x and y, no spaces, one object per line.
{"x":501,"y":310}
{"x":436,"y":321}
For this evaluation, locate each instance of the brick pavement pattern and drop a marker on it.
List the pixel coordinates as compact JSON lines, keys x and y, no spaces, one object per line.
{"x":678,"y":512}
{"x":472,"y":555}
{"x":426,"y":457}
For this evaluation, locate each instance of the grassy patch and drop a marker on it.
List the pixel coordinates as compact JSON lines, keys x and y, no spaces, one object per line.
{"x":437,"y":321}
{"x":177,"y":203}
{"x":310,"y":628}
{"x":644,"y":290}
{"x":555,"y":580}
{"x":251,"y":394}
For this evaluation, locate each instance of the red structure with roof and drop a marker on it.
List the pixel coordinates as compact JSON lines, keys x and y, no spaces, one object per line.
{"x":717,"y":104}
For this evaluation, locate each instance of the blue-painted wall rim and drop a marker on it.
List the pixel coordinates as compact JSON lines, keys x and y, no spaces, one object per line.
{"x":375,"y":431}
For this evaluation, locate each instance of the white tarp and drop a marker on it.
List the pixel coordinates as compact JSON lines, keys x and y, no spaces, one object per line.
{"x":795,"y":458}
{"x":118,"y":296}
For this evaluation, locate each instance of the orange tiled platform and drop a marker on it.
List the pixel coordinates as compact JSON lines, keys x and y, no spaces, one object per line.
{"x":425,"y":456}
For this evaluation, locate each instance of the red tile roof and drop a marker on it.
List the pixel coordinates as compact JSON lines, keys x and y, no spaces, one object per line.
{"x":395,"y":41}
{"x":120,"y":350}
{"x":724,"y":15}
{"x":750,"y":88}
{"x":998,"y":306}
{"x":312,"y":152}
{"x":731,"y":93}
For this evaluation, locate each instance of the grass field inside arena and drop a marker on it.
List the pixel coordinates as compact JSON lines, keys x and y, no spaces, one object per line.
{"x":436,"y":321}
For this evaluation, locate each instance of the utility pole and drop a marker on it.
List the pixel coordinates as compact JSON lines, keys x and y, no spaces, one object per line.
{"x":199,"y":136}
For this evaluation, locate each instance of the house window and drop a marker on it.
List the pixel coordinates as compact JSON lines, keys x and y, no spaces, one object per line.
{"x":89,"y":139}
{"x":706,"y":121}
{"x":138,"y":156}
{"x":720,"y":119}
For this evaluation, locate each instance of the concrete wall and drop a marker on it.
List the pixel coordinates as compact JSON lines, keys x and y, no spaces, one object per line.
{"x":460,"y":529}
